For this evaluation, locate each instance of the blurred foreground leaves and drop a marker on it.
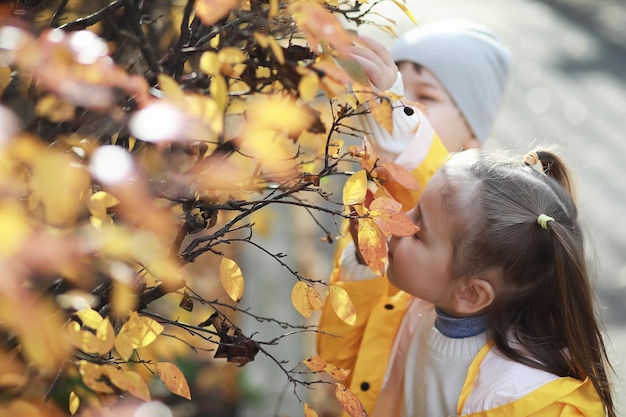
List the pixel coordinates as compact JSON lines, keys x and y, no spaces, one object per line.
{"x":138,"y":137}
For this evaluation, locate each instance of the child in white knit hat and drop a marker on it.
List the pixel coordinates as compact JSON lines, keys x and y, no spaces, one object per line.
{"x":456,"y":68}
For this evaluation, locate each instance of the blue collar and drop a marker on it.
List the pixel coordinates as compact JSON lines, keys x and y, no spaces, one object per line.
{"x":456,"y":328}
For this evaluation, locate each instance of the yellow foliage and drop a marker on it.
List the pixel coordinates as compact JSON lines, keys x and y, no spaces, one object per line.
{"x":63,"y":194}
{"x":342,"y":304}
{"x":136,"y":333}
{"x":355,"y":189}
{"x":232,"y":279}
{"x":173,"y":379}
{"x":300,"y":299}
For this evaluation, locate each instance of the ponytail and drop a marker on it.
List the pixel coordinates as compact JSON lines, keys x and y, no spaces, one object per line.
{"x":583,"y":338}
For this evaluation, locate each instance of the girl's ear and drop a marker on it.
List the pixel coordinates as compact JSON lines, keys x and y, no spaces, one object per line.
{"x":472,"y":295}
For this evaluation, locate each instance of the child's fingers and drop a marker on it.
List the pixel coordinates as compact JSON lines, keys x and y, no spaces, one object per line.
{"x":376,"y":48}
{"x":381,"y":70}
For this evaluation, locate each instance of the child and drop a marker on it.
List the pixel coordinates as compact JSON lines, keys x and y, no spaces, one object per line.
{"x":500,"y":321}
{"x":456,"y":68}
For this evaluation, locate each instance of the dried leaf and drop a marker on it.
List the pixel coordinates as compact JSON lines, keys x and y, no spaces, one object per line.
{"x":173,"y":379}
{"x":300,"y":299}
{"x":349,"y":401}
{"x":234,"y":346}
{"x":342,"y":304}
{"x":372,"y":245}
{"x":315,"y":363}
{"x":128,"y":381}
{"x":339,"y":374}
{"x":309,"y":411}
{"x":355,"y":188}
{"x":315,"y":299}
{"x":186,"y":303}
{"x":232,"y":279}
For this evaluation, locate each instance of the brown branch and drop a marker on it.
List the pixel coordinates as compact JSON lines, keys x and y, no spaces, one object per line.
{"x":85,"y":22}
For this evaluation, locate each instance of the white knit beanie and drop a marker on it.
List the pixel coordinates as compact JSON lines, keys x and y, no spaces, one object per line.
{"x":468,"y":60}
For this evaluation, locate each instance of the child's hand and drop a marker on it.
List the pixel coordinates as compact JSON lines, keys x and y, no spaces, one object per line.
{"x":376,"y":61}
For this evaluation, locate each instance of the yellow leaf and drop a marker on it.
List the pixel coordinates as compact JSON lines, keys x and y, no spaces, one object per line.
{"x":355,"y":188}
{"x":173,"y":379}
{"x":90,"y":318}
{"x":315,"y":363}
{"x":372,"y":245}
{"x":231,"y":55}
{"x":74,"y":403}
{"x":105,"y":335}
{"x":210,"y":63}
{"x":5,"y":77}
{"x":342,"y":304}
{"x":61,"y":186}
{"x":380,"y":108}
{"x":99,"y":343}
{"x":54,"y":109}
{"x":315,"y":299}
{"x":349,"y":401}
{"x":15,"y":228}
{"x":232,"y":279}
{"x":219,"y":91}
{"x":99,"y":202}
{"x":309,"y":411}
{"x":277,"y":50}
{"x":92,"y":377}
{"x":262,"y":39}
{"x":262,"y":115}
{"x":300,"y":299}
{"x":128,"y":381}
{"x":405,"y":10}
{"x":137,"y":332}
{"x":123,"y":299}
{"x":171,"y":88}
{"x":309,"y":86}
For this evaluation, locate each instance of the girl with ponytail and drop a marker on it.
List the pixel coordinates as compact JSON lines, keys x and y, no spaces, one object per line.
{"x":500,"y":318}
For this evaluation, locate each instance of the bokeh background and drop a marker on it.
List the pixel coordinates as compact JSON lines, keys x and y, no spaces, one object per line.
{"x":568,"y":88}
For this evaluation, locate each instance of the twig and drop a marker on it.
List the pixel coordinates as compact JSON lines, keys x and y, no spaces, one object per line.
{"x":92,"y":19}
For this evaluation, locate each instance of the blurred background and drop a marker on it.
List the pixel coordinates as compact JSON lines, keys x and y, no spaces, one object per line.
{"x":567,"y":87}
